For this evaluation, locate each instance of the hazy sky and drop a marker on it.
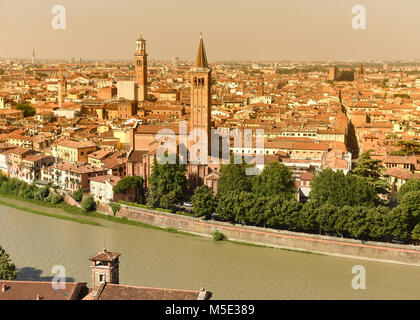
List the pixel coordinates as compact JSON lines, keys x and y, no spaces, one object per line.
{"x":233,"y":29}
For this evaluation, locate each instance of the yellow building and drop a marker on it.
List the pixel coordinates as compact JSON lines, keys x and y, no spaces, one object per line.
{"x":73,"y":151}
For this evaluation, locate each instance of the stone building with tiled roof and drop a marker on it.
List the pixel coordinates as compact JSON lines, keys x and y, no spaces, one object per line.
{"x":105,"y":286}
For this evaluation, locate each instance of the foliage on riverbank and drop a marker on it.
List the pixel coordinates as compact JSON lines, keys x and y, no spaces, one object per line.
{"x":340,"y":205}
{"x":7,"y":268}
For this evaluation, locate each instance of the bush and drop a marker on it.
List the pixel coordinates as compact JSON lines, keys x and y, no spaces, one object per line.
{"x":115,"y":207}
{"x":56,"y":198}
{"x":218,"y":236}
{"x":168,"y":200}
{"x":88,"y":204}
{"x":42,"y":194}
{"x":78,"y":195}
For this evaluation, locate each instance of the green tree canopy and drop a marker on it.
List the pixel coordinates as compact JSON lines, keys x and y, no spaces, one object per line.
{"x":338,"y":189}
{"x":7,"y":268}
{"x":204,"y":202}
{"x":166,"y":178}
{"x":410,"y":185}
{"x":28,"y":111}
{"x":275,"y":179}
{"x":372,"y":170}
{"x":132,"y":187}
{"x":415,"y":234}
{"x":233,"y":178}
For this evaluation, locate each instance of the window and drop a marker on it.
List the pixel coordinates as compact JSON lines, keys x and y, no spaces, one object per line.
{"x":101,"y":278}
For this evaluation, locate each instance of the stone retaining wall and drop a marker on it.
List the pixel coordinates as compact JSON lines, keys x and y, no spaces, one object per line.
{"x":370,"y":250}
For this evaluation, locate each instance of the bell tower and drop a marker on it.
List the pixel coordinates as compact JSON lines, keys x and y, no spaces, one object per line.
{"x":201,"y":96}
{"x":105,"y":268}
{"x":140,"y":68}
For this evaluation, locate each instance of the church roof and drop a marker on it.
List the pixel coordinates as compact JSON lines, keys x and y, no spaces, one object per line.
{"x":201,"y":58}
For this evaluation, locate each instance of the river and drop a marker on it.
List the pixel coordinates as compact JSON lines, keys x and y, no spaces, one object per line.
{"x":162,"y":259}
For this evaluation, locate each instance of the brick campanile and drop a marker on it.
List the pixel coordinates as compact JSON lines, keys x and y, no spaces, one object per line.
{"x":140,"y":68}
{"x":201,"y":96}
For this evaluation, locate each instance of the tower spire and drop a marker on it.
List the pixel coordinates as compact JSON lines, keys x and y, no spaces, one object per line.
{"x":201,"y":57}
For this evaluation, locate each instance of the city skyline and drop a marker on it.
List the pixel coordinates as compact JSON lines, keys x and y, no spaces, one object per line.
{"x":269,"y":31}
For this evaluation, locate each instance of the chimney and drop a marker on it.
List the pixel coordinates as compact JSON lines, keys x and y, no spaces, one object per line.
{"x":3,"y":288}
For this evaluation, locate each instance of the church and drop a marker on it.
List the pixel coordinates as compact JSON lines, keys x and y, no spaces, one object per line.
{"x":144,"y":141}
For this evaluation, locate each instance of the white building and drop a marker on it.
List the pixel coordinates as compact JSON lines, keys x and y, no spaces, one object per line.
{"x":101,"y":188}
{"x":127,"y":90}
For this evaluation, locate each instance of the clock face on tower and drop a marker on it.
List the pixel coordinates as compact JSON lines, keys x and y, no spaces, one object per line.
{"x":139,"y":63}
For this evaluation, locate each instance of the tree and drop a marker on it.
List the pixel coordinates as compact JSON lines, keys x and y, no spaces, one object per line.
{"x":7,"y":268}
{"x":415,"y":234}
{"x":376,"y":218}
{"x":256,"y":214}
{"x":275,"y":179}
{"x":168,"y":200}
{"x":308,"y":214}
{"x":410,"y":185}
{"x":398,"y":223}
{"x":233,"y":178}
{"x":408,"y":147}
{"x":338,"y":189}
{"x":77,"y":195}
{"x":371,"y":169}
{"x":166,"y":178}
{"x":410,"y":204}
{"x":356,"y":222}
{"x":132,"y":187}
{"x":283,"y":213}
{"x":244,"y":203}
{"x":28,"y":111}
{"x":326,"y":217}
{"x":203,"y":202}
{"x":226,"y":205}
{"x":88,"y":204}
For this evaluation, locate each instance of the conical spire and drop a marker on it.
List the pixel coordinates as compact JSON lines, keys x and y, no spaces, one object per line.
{"x":201,"y":58}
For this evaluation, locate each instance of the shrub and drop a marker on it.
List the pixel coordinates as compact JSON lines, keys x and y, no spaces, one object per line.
{"x":56,"y":198}
{"x":78,"y":195}
{"x":88,"y":204}
{"x":42,"y":193}
{"x":218,"y":236}
{"x":168,"y":200}
{"x":115,"y":207}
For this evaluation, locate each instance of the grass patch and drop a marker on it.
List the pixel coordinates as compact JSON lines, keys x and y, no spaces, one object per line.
{"x":144,"y":206}
{"x":52,"y":215}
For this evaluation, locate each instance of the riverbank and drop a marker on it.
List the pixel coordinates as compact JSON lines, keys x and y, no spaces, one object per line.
{"x":320,"y":244}
{"x":243,"y":235}
{"x":26,"y":206}
{"x":64,"y":211}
